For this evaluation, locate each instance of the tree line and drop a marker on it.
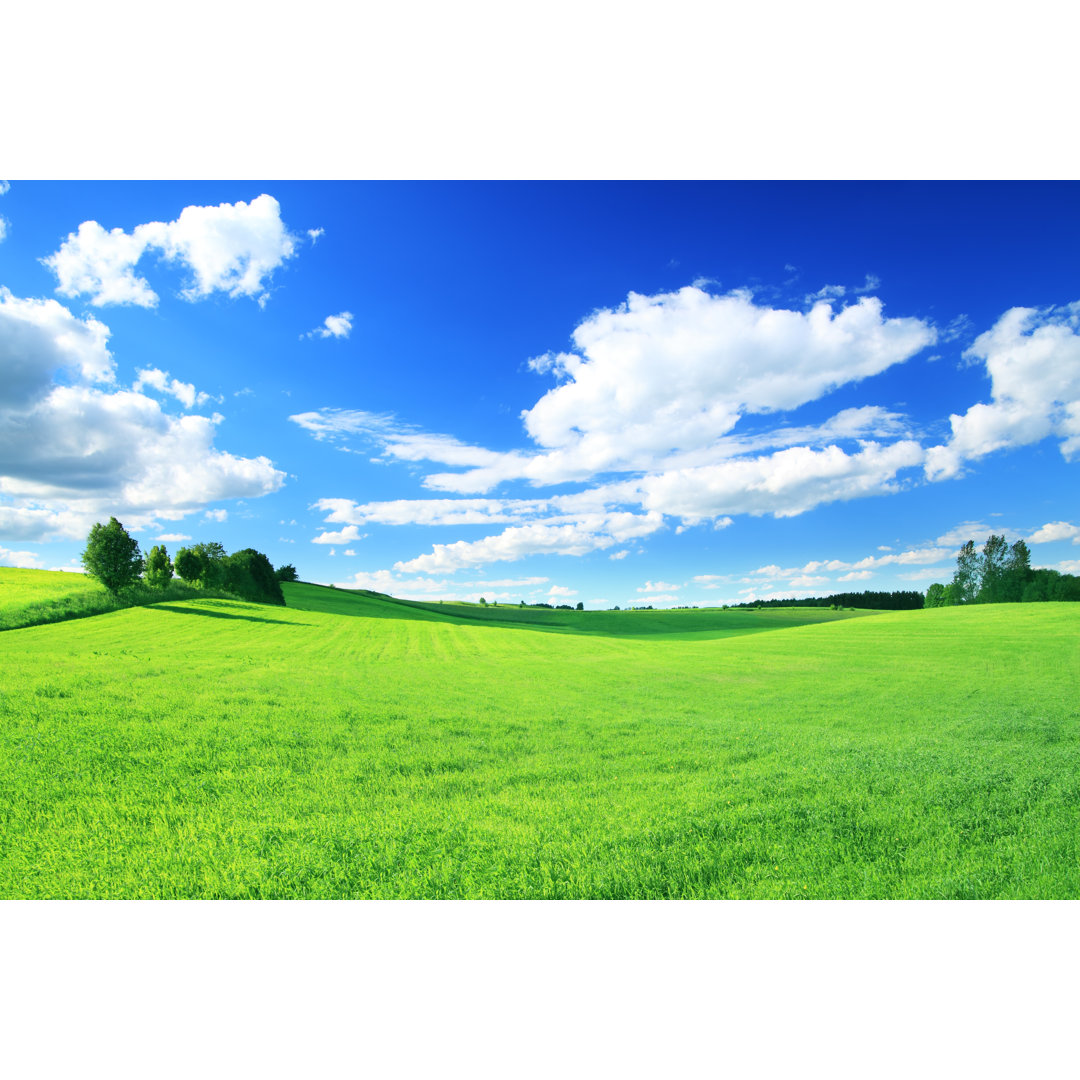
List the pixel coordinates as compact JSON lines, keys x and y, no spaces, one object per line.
{"x":1000,"y":574}
{"x":112,"y":556}
{"x":901,"y":600}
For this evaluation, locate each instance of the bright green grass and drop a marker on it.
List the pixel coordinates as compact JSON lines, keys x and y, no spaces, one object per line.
{"x":220,"y":749}
{"x":31,"y":596}
{"x":35,"y":597}
{"x":714,"y":622}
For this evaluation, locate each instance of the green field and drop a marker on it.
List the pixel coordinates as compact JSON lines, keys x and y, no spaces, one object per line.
{"x":348,"y":745}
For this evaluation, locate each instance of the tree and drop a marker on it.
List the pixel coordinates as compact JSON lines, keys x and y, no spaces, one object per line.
{"x":213,"y":558}
{"x":188,"y":565}
{"x":286,"y":573}
{"x":965,"y":582}
{"x":112,"y":556}
{"x":159,"y":570}
{"x":580,"y":606}
{"x":250,"y":575}
{"x":935,"y":595}
{"x":1018,"y":571}
{"x":992,"y":570}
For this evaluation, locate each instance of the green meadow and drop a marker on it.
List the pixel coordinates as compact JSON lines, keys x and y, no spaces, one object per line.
{"x":353,"y":746}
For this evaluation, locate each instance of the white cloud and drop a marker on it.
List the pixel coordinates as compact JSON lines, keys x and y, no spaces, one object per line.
{"x":344,"y":536}
{"x":70,"y":451}
{"x":427,"y":511}
{"x":232,"y":248}
{"x":172,"y":538}
{"x":5,"y":187}
{"x":337,"y":326}
{"x":784,"y":484}
{"x":590,"y":533}
{"x":39,"y":338}
{"x":159,"y":380}
{"x":3,"y":228}
{"x":561,"y":590}
{"x":216,"y":515}
{"x":1055,"y":530}
{"x":965,"y":531}
{"x":827,"y":292}
{"x":24,"y":560}
{"x":659,"y":383}
{"x":677,"y":370}
{"x":100,"y":263}
{"x":1033,"y":359}
{"x":619,"y":555}
{"x":314,"y":234}
{"x":658,"y":586}
{"x":933,"y":574}
{"x":1067,"y":566}
{"x":856,"y":575}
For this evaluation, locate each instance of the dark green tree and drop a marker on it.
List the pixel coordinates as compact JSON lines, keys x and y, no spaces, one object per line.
{"x":159,"y":570}
{"x":965,"y":582}
{"x":188,"y":565}
{"x":112,"y":556}
{"x":213,"y":558}
{"x":250,"y":575}
{"x":1018,"y":571}
{"x":995,"y":552}
{"x":287,"y":573}
{"x":580,"y":606}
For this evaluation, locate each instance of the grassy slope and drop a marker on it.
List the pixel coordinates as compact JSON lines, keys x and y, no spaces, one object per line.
{"x":33,"y":596}
{"x":713,"y":622}
{"x":214,"y":748}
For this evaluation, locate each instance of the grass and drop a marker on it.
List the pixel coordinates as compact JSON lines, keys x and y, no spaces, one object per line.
{"x":213,"y":748}
{"x":36,"y":597}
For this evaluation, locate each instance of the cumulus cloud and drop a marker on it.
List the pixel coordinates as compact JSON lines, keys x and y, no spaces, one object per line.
{"x":232,"y":248}
{"x":1055,"y":530}
{"x":23,"y":560}
{"x":173,"y":538}
{"x":314,"y":234}
{"x":1033,"y":359}
{"x":216,"y":515}
{"x":660,"y":382}
{"x":71,"y":450}
{"x":654,"y":390}
{"x":3,"y":228}
{"x":658,"y":586}
{"x":159,"y":380}
{"x":336,"y":326}
{"x":678,"y":370}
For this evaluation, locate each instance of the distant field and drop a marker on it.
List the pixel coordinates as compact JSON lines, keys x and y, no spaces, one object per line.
{"x":715,"y":622}
{"x":212,"y":748}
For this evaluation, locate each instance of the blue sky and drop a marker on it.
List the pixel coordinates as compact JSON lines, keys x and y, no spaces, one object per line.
{"x":613,"y":393}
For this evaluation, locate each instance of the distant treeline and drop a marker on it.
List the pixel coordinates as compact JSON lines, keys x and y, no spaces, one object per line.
{"x":879,"y":601}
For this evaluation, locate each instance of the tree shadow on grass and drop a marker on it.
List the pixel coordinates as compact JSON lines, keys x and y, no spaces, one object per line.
{"x":210,"y":613}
